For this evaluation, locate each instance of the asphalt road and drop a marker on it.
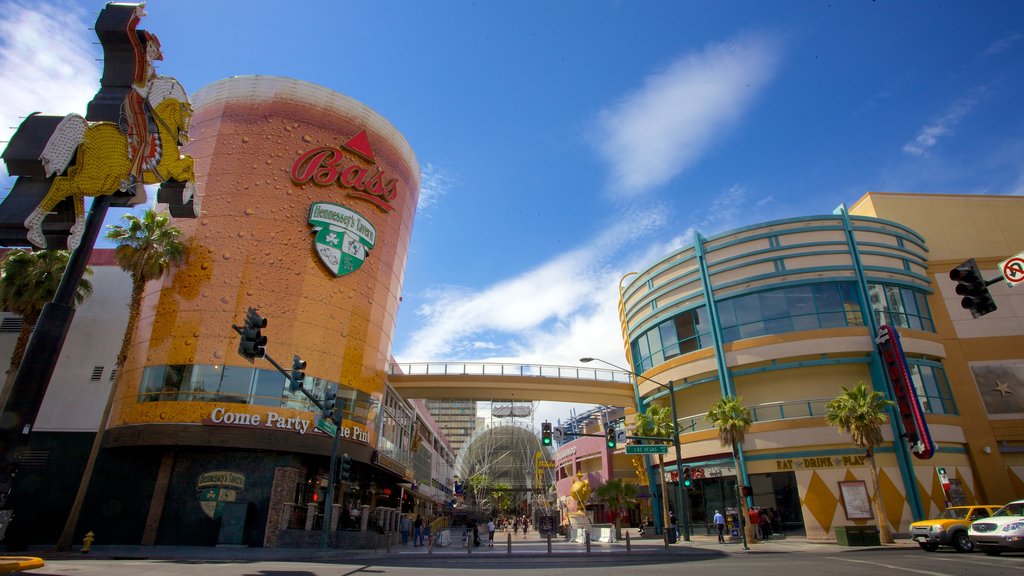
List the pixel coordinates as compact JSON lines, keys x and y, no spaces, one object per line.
{"x":873,"y":562}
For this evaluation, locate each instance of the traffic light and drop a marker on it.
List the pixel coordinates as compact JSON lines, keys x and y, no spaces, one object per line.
{"x":253,"y":343}
{"x":345,"y":468}
{"x":972,"y":286}
{"x":610,"y":437}
{"x":329,"y":406}
{"x":298,"y":376}
{"x":545,"y":433}
{"x":687,"y":477}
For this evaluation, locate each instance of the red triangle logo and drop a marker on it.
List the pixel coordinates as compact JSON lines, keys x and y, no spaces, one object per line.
{"x":360,"y":145}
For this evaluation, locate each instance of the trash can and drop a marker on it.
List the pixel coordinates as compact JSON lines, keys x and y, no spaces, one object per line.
{"x":670,"y":534}
{"x":847,"y":536}
{"x":870,"y":536}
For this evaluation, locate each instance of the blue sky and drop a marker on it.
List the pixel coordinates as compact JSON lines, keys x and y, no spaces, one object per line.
{"x":566,"y":143}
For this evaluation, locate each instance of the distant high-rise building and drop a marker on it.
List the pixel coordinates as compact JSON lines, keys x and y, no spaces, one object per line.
{"x":456,"y":419}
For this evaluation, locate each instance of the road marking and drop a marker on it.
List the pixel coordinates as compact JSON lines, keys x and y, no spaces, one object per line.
{"x":891,"y":566}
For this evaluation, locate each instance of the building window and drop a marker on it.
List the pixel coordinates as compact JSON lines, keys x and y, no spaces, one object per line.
{"x":791,"y":309}
{"x":932,"y":388}
{"x":244,"y":385}
{"x":683,"y":333}
{"x":900,"y":307}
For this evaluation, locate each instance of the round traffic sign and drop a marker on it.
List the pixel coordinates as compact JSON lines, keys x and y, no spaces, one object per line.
{"x":1013,"y":270}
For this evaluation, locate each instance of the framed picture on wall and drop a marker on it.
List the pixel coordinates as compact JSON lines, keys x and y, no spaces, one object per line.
{"x":855,"y":500}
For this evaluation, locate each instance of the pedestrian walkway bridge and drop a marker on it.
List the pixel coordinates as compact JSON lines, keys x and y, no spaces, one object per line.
{"x":526,"y":382}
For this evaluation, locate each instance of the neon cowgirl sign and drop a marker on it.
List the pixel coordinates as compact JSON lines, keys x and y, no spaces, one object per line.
{"x":915,"y":429}
{"x":328,"y":165}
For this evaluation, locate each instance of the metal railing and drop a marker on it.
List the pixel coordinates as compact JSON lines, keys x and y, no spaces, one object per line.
{"x":502,"y":369}
{"x":766,"y":412}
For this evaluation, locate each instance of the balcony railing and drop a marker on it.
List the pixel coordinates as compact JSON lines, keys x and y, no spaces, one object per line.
{"x":766,"y":412}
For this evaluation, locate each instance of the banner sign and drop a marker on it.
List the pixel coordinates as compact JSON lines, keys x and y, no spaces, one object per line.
{"x":909,"y":406}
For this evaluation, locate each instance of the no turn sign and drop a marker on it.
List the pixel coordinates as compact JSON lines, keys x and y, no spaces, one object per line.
{"x":1012,"y":269}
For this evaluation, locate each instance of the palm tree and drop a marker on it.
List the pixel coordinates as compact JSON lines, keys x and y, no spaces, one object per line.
{"x":28,"y":281}
{"x":733,"y":420}
{"x":657,"y":422}
{"x":146,"y":249}
{"x":861,"y":412}
{"x":617,"y":495}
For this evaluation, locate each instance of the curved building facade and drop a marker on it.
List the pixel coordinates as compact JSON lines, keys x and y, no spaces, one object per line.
{"x":783,"y":314}
{"x":308,"y":205}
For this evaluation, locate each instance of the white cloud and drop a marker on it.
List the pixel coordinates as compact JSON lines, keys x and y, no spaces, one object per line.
{"x":434,"y":183}
{"x":929,"y":134}
{"x":553,"y":314}
{"x":1003,"y":44}
{"x":663,"y":128}
{"x":47,"y":62}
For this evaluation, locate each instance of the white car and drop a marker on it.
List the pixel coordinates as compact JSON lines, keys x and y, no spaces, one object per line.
{"x":1001,"y":532}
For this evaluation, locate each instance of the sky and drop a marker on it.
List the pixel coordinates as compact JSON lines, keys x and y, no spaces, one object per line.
{"x":565,"y":144}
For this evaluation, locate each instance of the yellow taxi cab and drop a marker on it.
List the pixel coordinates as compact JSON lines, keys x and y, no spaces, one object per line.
{"x":950,"y":527}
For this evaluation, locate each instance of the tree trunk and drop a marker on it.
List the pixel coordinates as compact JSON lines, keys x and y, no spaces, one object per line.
{"x":748,"y":530}
{"x":28,"y":324}
{"x":884,"y":534}
{"x":67,"y":535}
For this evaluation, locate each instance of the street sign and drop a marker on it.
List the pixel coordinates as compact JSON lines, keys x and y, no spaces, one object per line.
{"x":1012,"y":269}
{"x":326,"y":426}
{"x":646,"y":449}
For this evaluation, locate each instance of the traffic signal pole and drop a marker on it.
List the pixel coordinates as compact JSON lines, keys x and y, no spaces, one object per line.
{"x":331,"y":478}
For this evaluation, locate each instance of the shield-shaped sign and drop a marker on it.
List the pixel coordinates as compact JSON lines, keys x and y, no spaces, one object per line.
{"x":343,"y":237}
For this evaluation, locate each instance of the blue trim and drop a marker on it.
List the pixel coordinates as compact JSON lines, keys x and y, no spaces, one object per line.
{"x":825,"y":218}
{"x":824,"y":361}
{"x":871,"y":222}
{"x":880,"y":382}
{"x":725,"y":379}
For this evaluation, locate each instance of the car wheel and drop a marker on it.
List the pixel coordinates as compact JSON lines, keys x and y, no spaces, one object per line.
{"x":962,"y":542}
{"x":928,"y":547}
{"x":993,"y":552}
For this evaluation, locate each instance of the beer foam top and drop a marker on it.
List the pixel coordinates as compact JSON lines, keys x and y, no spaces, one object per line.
{"x":258,"y":88}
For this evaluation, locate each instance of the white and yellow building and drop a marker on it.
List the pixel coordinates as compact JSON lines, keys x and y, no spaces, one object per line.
{"x":783,"y":314}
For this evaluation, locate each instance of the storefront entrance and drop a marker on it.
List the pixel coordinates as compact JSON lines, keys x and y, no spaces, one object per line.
{"x":776,"y":492}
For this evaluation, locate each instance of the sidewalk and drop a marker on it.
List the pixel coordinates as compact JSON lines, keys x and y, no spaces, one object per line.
{"x":531,"y":546}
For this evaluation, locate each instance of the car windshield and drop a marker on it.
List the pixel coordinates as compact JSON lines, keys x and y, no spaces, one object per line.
{"x":954,"y":514}
{"x":1011,"y":509}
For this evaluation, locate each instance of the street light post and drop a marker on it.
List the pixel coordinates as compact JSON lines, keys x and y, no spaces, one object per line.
{"x":683,"y":507}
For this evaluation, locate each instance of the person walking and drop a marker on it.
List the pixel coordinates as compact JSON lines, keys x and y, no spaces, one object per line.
{"x":490,"y":532}
{"x":404,"y":525}
{"x":720,"y":524}
{"x":755,"y":523}
{"x":417,"y":528}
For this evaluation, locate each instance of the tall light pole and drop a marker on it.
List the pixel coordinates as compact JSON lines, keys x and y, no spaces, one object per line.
{"x":683,"y":508}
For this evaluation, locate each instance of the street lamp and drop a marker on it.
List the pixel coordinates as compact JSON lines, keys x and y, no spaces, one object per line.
{"x":683,"y":508}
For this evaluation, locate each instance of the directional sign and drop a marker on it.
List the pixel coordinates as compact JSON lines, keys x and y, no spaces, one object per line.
{"x":1012,"y":269}
{"x":326,"y":426}
{"x":646,"y":449}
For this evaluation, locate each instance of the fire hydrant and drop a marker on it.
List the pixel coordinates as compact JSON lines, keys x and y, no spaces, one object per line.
{"x":87,"y":541}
